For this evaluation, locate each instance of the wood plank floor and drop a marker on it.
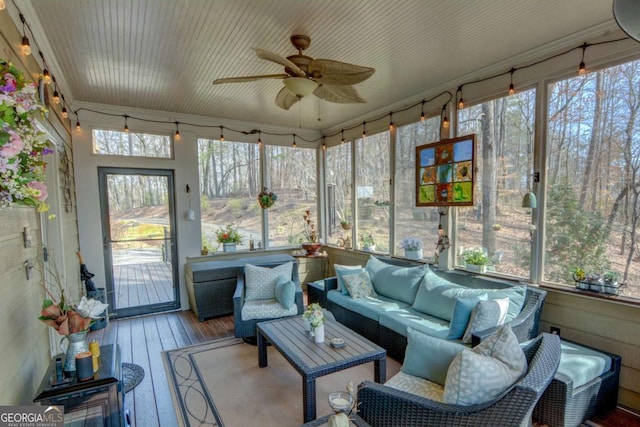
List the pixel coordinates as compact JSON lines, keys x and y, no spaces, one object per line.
{"x":142,"y":339}
{"x":142,"y":283}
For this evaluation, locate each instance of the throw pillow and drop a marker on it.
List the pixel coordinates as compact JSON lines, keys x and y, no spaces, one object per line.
{"x":429,"y":357}
{"x":485,"y":315}
{"x":285,"y":292}
{"x":359,"y":285}
{"x":503,"y":345}
{"x":475,"y":378}
{"x":260,"y":282}
{"x":394,"y":281}
{"x":461,"y":315}
{"x":516,"y":294}
{"x":343,"y":270}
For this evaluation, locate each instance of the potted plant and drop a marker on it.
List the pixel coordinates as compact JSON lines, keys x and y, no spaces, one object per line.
{"x":580,"y":276}
{"x":312,"y":244}
{"x":412,"y":247}
{"x":611,"y":284}
{"x":367,"y":242}
{"x":314,"y":316}
{"x":229,"y":237}
{"x":346,"y":224}
{"x":476,"y":260}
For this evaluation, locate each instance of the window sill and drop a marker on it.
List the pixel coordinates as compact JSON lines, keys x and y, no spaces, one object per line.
{"x":618,"y":299}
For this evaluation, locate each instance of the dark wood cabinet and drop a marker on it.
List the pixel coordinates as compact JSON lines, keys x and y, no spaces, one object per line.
{"x":97,"y":402}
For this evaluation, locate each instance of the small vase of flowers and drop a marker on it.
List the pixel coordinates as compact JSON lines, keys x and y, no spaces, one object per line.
{"x":315,"y":317}
{"x":229,"y":237}
{"x":412,"y":248}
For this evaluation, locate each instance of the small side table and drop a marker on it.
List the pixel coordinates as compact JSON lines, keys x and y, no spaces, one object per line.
{"x":355,"y":420}
{"x":95,"y":402}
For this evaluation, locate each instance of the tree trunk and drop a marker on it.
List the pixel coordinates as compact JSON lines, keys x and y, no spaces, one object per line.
{"x":488,"y":180}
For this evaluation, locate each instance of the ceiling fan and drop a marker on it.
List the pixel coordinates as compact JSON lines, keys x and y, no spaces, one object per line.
{"x":325,"y":78}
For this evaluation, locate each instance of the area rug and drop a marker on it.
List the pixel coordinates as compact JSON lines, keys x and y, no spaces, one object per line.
{"x":220,"y":384}
{"x":132,"y":375}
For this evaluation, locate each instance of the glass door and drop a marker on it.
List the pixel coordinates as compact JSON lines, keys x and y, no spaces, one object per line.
{"x":138,"y":228}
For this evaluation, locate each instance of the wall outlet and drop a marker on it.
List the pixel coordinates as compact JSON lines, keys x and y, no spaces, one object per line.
{"x":555,"y":330}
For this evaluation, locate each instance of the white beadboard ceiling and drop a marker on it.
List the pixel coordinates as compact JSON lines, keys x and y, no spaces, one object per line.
{"x":163,"y":54}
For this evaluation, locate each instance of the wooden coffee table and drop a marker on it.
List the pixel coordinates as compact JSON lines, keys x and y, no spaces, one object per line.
{"x":313,"y":360}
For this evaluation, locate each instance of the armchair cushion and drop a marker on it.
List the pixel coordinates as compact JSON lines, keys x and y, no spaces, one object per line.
{"x":266,"y":309}
{"x":359,"y":285}
{"x":485,"y":315}
{"x":285,"y":292}
{"x":260,"y":282}
{"x":416,"y":385}
{"x":428,"y":357}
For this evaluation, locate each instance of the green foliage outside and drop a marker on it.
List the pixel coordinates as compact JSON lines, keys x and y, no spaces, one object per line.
{"x":476,"y":257}
{"x":575,"y":238}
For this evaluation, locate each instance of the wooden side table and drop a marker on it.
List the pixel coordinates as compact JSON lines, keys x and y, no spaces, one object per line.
{"x":312,"y":267}
{"x":95,"y":402}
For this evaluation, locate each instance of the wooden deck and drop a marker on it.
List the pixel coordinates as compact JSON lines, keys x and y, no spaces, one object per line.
{"x":142,"y":284}
{"x":142,"y":339}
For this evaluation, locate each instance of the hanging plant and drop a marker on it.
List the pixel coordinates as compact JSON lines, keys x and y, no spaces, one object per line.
{"x":21,"y":143}
{"x":266,"y":198}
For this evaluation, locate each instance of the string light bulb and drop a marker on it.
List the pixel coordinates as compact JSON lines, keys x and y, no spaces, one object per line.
{"x":391,"y":125}
{"x":77,"y":125}
{"x":177,"y":133}
{"x":582,"y":69}
{"x":324,"y":145}
{"x":512,"y":88}
{"x":126,"y":125}
{"x":221,"y":133}
{"x":294,"y":141}
{"x":422,"y":117}
{"x":445,"y":119}
{"x":259,"y":139}
{"x":364,"y":130}
{"x":342,"y":133}
{"x":56,"y":96}
{"x":64,"y":113}
{"x":26,"y":46}
{"x":46,"y":76}
{"x":2,"y":5}
{"x":461,"y":100}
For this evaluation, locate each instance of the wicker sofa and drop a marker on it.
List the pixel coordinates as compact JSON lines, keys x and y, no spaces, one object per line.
{"x":387,"y":327}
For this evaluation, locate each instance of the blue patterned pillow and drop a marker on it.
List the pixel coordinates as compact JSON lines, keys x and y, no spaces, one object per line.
{"x":260,"y":282}
{"x":359,"y":285}
{"x":344,"y":270}
{"x":285,"y":292}
{"x":485,"y":315}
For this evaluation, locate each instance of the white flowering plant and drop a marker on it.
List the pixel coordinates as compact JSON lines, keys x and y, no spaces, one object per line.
{"x":314,"y":315}
{"x":411,"y":244}
{"x":22,"y":145}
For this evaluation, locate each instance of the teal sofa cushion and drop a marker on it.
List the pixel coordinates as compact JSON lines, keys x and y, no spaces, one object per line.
{"x":369,"y":307}
{"x":582,"y":364}
{"x":429,"y":357}
{"x":400,"y":320}
{"x":400,"y":283}
{"x":516,"y":295}
{"x":435,"y":296}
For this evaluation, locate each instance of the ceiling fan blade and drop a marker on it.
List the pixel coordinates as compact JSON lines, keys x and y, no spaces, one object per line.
{"x":327,"y":71}
{"x":338,"y":94}
{"x":249,"y":78}
{"x":285,"y":99}
{"x":274,"y":57}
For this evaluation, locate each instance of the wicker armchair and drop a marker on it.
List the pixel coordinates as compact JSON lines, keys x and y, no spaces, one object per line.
{"x":383,"y":406}
{"x":246,"y":329}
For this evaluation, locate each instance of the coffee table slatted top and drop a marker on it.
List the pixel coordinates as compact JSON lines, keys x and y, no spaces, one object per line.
{"x":318,"y":359}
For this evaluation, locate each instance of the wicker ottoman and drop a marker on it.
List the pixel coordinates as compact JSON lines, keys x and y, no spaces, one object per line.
{"x":586,"y":384}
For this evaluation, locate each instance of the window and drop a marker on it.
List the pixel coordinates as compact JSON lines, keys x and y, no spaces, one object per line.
{"x":412,"y":221}
{"x":497,"y":223}
{"x":229,"y":187}
{"x":372,"y":192}
{"x":131,"y":144}
{"x":593,"y":179}
{"x":338,"y":177}
{"x":291,"y":174}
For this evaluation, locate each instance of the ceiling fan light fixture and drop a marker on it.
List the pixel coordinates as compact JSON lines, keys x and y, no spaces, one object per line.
{"x":300,"y":86}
